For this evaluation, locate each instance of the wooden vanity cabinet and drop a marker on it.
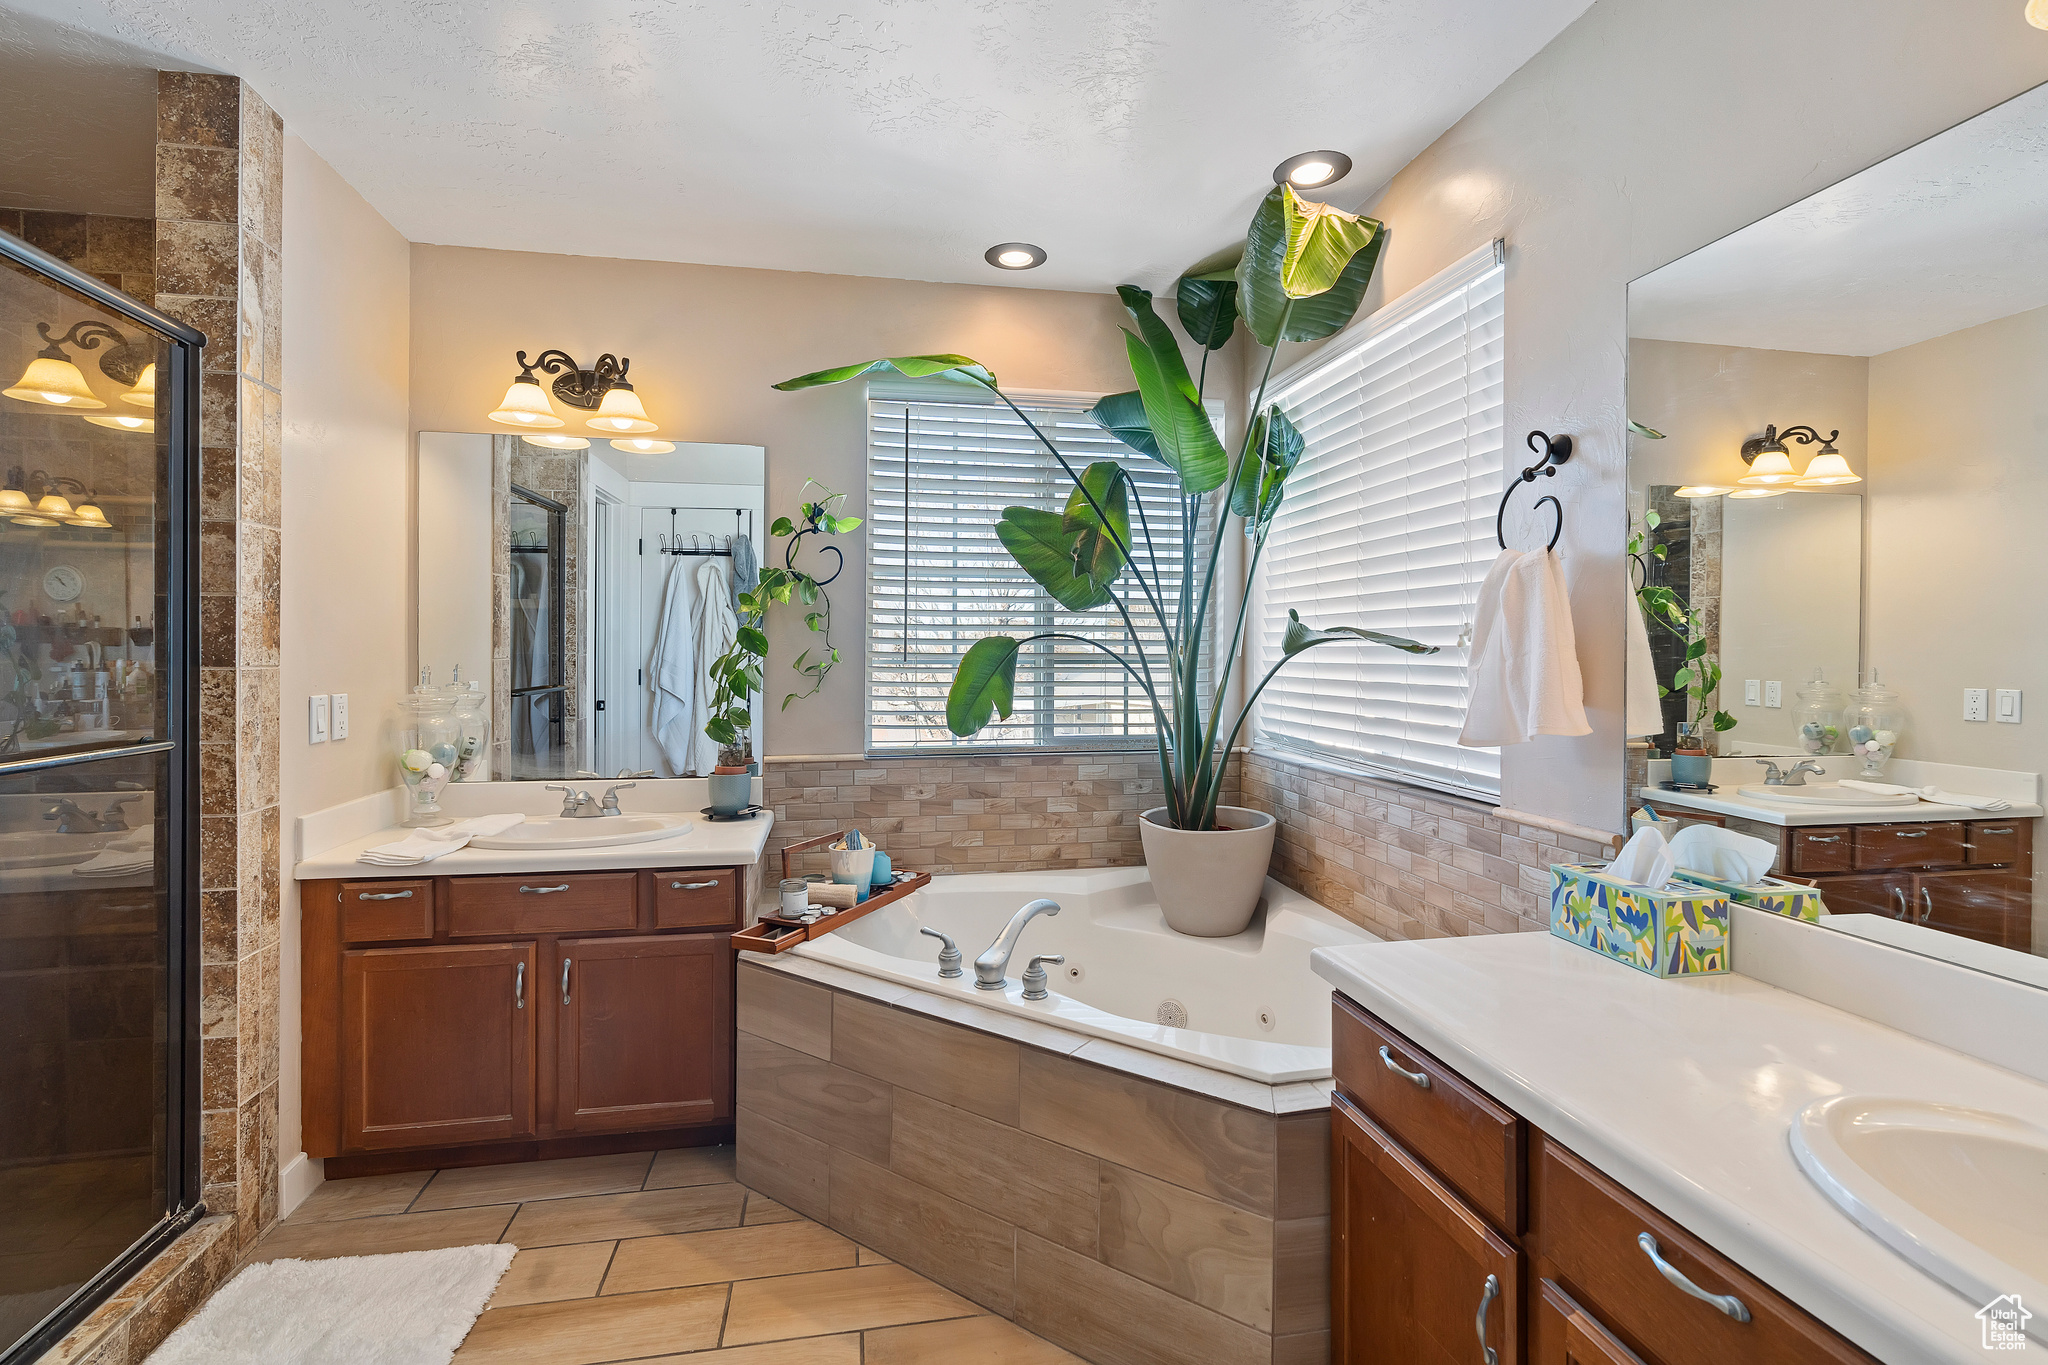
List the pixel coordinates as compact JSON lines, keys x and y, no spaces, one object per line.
{"x":450,"y":1020}
{"x":1967,"y":877}
{"x":1564,"y":1276}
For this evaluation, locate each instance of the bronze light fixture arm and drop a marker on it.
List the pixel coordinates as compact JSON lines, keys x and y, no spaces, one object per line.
{"x":577,"y":386}
{"x":124,"y":360}
{"x":1774,"y":439}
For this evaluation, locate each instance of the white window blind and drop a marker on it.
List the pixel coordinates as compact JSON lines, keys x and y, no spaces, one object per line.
{"x":1388,"y":524}
{"x":943,"y":463}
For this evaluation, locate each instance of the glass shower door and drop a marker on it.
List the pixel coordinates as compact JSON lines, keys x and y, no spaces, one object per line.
{"x":539,"y":636}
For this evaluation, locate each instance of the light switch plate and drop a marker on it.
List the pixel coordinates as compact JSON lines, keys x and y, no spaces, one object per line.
{"x":1751,"y":689}
{"x":1976,"y":703}
{"x":317,"y":720}
{"x":338,"y":723}
{"x":1774,"y":694}
{"x":2008,"y":706}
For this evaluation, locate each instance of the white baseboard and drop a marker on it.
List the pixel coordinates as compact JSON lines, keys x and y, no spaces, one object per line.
{"x":299,"y":1177}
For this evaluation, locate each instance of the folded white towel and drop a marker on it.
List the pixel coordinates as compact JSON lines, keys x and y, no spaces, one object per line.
{"x":123,"y":858}
{"x":425,"y":845}
{"x":1931,"y":793}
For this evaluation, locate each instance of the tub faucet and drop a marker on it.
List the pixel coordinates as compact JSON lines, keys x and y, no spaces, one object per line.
{"x":989,"y":967}
{"x":949,"y":953}
{"x":1795,"y":776}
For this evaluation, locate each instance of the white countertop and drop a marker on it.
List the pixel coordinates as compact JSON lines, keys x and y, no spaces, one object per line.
{"x":2020,"y":788}
{"x":1785,"y":813}
{"x":1684,"y":1092}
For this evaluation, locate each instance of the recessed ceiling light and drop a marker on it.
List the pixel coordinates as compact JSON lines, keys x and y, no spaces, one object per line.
{"x":1014,"y":256}
{"x":1312,"y":170}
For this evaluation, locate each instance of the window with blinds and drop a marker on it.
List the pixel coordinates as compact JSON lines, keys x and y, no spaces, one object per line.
{"x":943,"y":463}
{"x":1388,"y":524}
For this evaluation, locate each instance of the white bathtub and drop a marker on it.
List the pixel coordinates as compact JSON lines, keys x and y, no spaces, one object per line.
{"x":1252,"y":1006}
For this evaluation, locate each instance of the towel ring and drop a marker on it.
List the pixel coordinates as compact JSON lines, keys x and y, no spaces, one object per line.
{"x":1555,"y":450}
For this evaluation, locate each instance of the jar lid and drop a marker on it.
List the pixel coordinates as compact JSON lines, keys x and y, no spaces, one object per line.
{"x":793,"y":884}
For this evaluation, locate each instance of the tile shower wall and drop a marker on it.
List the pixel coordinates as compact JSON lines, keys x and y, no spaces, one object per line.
{"x":116,"y":251}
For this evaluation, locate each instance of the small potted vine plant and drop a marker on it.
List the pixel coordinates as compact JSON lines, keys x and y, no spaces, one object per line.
{"x":1698,"y":677}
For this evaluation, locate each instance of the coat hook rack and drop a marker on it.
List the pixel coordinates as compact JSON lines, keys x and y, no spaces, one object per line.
{"x":671,"y":543}
{"x":1555,"y":450}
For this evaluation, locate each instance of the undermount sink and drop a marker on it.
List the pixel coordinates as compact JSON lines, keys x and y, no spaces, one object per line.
{"x":1824,"y":794}
{"x":602,"y":831}
{"x":1961,"y":1193}
{"x":40,"y":848}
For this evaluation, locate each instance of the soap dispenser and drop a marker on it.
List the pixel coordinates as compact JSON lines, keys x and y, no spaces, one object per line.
{"x":1819,"y":716}
{"x":1875,"y":727}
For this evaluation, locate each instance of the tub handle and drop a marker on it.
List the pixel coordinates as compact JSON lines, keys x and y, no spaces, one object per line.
{"x":1034,"y":975}
{"x":1421,"y":1078}
{"x":949,"y":955}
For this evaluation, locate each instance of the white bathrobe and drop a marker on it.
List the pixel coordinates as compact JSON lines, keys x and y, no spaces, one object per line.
{"x":714,"y":626}
{"x":672,"y":673}
{"x":1524,"y":671}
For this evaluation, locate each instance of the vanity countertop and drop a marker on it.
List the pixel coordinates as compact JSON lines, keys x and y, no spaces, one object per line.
{"x":1766,"y":812}
{"x":705,"y":843}
{"x":1684,"y":1092}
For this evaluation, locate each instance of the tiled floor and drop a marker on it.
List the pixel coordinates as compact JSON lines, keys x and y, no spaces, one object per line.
{"x":656,"y":1257}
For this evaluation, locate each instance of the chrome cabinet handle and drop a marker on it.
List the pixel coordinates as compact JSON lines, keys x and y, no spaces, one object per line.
{"x":1486,"y":1303}
{"x":1727,"y":1303}
{"x":1909,"y":834}
{"x":1926,"y":905}
{"x":1420,"y":1078}
{"x":384,"y":895}
{"x":565,"y":980}
{"x":690,"y":886}
{"x":1816,"y":839}
{"x":542,"y":890}
{"x":1994,"y":831}
{"x":519,"y":986}
{"x":1899,"y":895}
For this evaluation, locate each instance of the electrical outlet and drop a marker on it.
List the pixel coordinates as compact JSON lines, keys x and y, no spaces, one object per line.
{"x":317,"y":720}
{"x":1976,"y":704}
{"x":1750,"y":691}
{"x":338,"y":723}
{"x":2008,"y":706}
{"x":1774,"y":694}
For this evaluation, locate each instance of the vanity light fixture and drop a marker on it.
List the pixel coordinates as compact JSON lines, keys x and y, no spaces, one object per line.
{"x":54,"y":381}
{"x":143,"y":395}
{"x":1828,"y":470}
{"x":643,"y":445}
{"x":1014,"y":256}
{"x":1704,"y":490}
{"x":556,"y":441}
{"x":620,"y":410}
{"x":120,"y":421}
{"x":2037,"y":13}
{"x":526,"y":402}
{"x":602,"y":389}
{"x":90,"y":516}
{"x":1770,"y":463}
{"x":1312,"y":170}
{"x":1759,"y":492}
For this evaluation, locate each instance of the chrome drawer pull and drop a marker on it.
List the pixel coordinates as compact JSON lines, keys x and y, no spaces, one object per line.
{"x":1727,"y":1303}
{"x":542,"y":890}
{"x":690,"y":886}
{"x":384,"y":895}
{"x":1900,"y":896}
{"x":1816,"y":839}
{"x":1485,"y":1303}
{"x":565,"y":980}
{"x":1926,"y":905}
{"x":1909,"y":834}
{"x":1994,"y":831}
{"x":1421,"y":1079}
{"x":519,"y":985}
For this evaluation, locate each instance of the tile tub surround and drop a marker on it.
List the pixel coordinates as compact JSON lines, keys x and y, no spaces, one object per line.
{"x":1127,"y":1207}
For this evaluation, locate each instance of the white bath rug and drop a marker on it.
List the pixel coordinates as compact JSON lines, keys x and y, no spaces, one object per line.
{"x":410,"y":1308}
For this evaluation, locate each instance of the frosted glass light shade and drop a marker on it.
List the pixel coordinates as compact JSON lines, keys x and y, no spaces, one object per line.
{"x":121,"y":421}
{"x":642,"y":445}
{"x":143,"y":395}
{"x":55,"y":505}
{"x":1771,"y":467}
{"x":56,"y":383}
{"x":621,"y":411}
{"x":555,"y":441}
{"x":13,"y":500}
{"x":2037,"y":13}
{"x":1704,"y":490}
{"x":33,"y":520}
{"x":1759,"y":492}
{"x":1827,"y":470}
{"x":526,"y":405}
{"x":91,"y":517}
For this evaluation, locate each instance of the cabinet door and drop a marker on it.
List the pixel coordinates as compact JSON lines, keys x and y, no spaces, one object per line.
{"x":1867,"y":894}
{"x":437,"y":1045}
{"x":1565,"y":1334}
{"x":643,"y":1037}
{"x":1980,"y":905}
{"x":1418,"y":1278}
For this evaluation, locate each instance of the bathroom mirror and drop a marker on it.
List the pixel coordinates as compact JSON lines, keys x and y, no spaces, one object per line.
{"x":1836,"y":472}
{"x":586,"y":590}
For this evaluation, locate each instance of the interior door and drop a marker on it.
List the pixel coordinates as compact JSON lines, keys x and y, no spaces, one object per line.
{"x":437,"y":1045}
{"x":1417,"y":1277}
{"x":643,"y":1037}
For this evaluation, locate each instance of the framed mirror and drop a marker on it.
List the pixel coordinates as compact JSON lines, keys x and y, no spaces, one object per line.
{"x":584,"y":592}
{"x":1839,"y":417}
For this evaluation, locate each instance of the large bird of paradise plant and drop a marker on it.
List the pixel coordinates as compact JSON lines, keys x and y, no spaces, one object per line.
{"x":1301,"y":276}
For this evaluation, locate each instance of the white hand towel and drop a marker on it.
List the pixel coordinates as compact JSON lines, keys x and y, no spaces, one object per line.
{"x":122,"y":858}
{"x":425,"y":845}
{"x":1645,"y":709}
{"x":1645,"y":860}
{"x":1931,"y":793}
{"x":714,"y":625}
{"x":672,"y":674}
{"x":1723,"y":855}
{"x":1524,"y":673}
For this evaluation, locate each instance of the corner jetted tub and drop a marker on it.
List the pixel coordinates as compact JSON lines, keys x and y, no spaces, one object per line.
{"x":1246,"y":1005}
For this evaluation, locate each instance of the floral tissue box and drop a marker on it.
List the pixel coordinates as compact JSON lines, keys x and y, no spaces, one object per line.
{"x":1789,"y":899}
{"x":1682,"y":932}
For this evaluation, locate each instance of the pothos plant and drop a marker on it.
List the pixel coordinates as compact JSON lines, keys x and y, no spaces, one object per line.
{"x":1300,"y":276}
{"x":737,"y":674}
{"x":1699,"y":674}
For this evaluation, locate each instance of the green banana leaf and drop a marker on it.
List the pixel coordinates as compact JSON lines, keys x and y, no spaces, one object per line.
{"x":1188,"y":444}
{"x":912,"y":366}
{"x":1122,"y":415}
{"x":1300,"y":636}
{"x":1096,"y":550}
{"x":985,"y":684}
{"x":1269,"y":242}
{"x":1275,"y":447}
{"x":1207,"y":305}
{"x":1320,"y":243}
{"x":1052,"y":555}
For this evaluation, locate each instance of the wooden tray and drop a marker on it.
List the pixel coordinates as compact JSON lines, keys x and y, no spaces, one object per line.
{"x":755,"y":938}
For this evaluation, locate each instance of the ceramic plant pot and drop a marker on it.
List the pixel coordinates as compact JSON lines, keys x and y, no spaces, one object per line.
{"x":731,"y":792}
{"x":1208,"y":881}
{"x":1692,"y":768}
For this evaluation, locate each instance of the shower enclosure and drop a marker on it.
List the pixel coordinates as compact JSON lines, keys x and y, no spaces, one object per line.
{"x":540,"y":690}
{"x":99,"y":945}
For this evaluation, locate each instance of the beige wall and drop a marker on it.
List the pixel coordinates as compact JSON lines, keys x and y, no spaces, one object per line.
{"x":706,"y":343}
{"x":346,"y":535}
{"x":1708,"y":400}
{"x":1647,"y":129}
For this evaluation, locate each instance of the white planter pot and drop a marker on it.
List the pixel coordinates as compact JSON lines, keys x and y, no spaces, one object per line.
{"x":1208,"y":881}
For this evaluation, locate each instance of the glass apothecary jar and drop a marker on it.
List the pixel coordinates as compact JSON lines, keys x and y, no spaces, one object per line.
{"x":1820,"y":716}
{"x":1875,"y":726}
{"x":428,"y":740}
{"x":470,"y":706}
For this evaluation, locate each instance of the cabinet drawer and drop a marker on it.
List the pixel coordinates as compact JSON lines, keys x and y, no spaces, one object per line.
{"x":1994,"y":841}
{"x":1467,"y":1139}
{"x":697,"y":898}
{"x":1925,"y":845}
{"x":540,"y":903}
{"x":386,"y":912}
{"x":1821,"y":850}
{"x":1587,"y":1237}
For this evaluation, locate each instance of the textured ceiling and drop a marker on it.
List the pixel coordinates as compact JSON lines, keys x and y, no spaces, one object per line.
{"x":1948,"y":234}
{"x":894,"y":138}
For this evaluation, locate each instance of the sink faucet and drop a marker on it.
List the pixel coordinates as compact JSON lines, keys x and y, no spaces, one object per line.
{"x":989,"y":967}
{"x":577,"y":805}
{"x":611,"y":797}
{"x":73,"y":820}
{"x":1795,"y":776}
